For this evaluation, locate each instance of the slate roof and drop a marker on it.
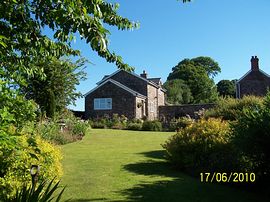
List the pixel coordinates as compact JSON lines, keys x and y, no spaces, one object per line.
{"x":155,"y":80}
{"x":133,"y":92}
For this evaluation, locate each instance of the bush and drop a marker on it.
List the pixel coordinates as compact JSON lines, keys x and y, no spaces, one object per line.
{"x":230,"y":108}
{"x":119,"y":126}
{"x":98,"y":124}
{"x":204,"y":146}
{"x":152,"y":126}
{"x":72,"y":130}
{"x":44,"y":192}
{"x":134,"y":126}
{"x":48,"y":131}
{"x":80,"y":128}
{"x":115,"y":122}
{"x":252,"y":137}
{"x":51,"y":132}
{"x":17,"y":153}
{"x":183,"y":122}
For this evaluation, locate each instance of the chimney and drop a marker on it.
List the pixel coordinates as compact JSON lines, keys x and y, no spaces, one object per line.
{"x":144,"y":74}
{"x":254,"y":63}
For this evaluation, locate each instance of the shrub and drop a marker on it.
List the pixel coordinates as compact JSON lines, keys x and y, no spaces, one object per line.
{"x":230,"y":108}
{"x":51,"y":132}
{"x":80,"y":128}
{"x":183,"y":122}
{"x":73,"y":130}
{"x":98,"y":124}
{"x":119,"y":126}
{"x":18,"y":153}
{"x":48,"y":131}
{"x":134,"y":126}
{"x":152,"y":126}
{"x":115,"y":122}
{"x":45,"y":192}
{"x":252,"y":137}
{"x":204,"y":146}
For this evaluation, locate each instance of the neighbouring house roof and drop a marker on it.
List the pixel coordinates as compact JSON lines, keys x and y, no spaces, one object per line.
{"x":119,"y":85}
{"x":264,"y":73}
{"x":104,"y":77}
{"x":155,"y":80}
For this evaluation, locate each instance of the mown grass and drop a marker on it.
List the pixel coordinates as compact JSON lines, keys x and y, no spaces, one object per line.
{"x":118,"y":165}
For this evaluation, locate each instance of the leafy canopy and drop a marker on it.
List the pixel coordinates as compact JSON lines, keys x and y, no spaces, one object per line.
{"x":226,"y":88}
{"x":197,"y":73}
{"x":178,"y":92}
{"x":22,"y":21}
{"x":61,"y":78}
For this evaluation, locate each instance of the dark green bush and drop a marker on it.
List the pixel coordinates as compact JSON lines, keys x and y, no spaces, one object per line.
{"x":98,"y":124}
{"x":204,"y":146}
{"x":114,"y":122}
{"x":152,"y":126}
{"x":252,"y":137}
{"x":230,"y":108}
{"x":176,"y":124}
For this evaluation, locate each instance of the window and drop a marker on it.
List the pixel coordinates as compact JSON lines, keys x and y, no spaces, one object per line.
{"x":151,"y":106}
{"x":102,"y":103}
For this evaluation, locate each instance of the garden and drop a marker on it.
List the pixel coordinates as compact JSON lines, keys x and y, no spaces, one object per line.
{"x":47,"y":154}
{"x":114,"y":158}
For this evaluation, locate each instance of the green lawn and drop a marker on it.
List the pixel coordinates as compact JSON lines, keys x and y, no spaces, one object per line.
{"x":114,"y":165}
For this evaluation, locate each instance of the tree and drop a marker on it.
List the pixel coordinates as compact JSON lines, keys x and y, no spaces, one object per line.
{"x":22,"y":42}
{"x":196,"y":75}
{"x":57,"y":88}
{"x":50,"y":107}
{"x":211,"y":67}
{"x":21,"y":22}
{"x":226,"y":88}
{"x":178,"y":92}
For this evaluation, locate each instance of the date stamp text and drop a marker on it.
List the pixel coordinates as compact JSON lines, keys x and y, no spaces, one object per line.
{"x":233,"y":177}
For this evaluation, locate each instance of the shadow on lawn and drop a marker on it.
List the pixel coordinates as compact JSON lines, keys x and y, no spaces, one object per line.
{"x":87,"y":200}
{"x":180,"y":188}
{"x":157,"y":154}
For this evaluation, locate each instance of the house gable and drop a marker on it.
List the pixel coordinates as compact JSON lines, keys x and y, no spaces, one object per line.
{"x":254,"y":82}
{"x":123,"y":100}
{"x":250,"y":74}
{"x":134,"y":93}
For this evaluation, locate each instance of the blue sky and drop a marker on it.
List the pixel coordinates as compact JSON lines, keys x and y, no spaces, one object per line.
{"x":229,"y":31}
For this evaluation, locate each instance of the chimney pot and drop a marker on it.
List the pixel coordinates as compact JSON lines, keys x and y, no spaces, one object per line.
{"x":254,"y":63}
{"x":144,"y":74}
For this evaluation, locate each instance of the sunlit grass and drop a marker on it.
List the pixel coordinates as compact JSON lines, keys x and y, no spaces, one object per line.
{"x":114,"y":165}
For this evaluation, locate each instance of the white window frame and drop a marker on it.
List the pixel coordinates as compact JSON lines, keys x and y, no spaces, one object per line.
{"x":102,"y":103}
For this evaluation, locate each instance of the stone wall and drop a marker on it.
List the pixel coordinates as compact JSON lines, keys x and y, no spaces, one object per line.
{"x":152,"y":99}
{"x":166,"y":113}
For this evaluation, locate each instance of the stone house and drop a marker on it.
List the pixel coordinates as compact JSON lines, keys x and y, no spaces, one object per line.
{"x":125,"y":93}
{"x":254,"y":82}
